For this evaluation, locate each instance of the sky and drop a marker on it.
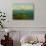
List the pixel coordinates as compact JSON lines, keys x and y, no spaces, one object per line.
{"x":20,"y":1}
{"x":24,"y":7}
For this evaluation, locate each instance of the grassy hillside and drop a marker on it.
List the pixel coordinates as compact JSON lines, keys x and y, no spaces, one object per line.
{"x":23,"y":14}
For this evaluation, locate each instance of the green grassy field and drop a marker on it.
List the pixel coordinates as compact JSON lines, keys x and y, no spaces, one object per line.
{"x":23,"y":14}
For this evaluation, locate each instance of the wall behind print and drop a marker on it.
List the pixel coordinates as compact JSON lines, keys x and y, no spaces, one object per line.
{"x":39,"y":13}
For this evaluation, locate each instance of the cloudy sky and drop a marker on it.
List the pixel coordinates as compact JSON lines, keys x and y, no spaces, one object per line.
{"x":18,"y":4}
{"x":24,"y":7}
{"x":20,"y":1}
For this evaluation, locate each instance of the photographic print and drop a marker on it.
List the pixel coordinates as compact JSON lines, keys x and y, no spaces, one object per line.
{"x":23,"y":11}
